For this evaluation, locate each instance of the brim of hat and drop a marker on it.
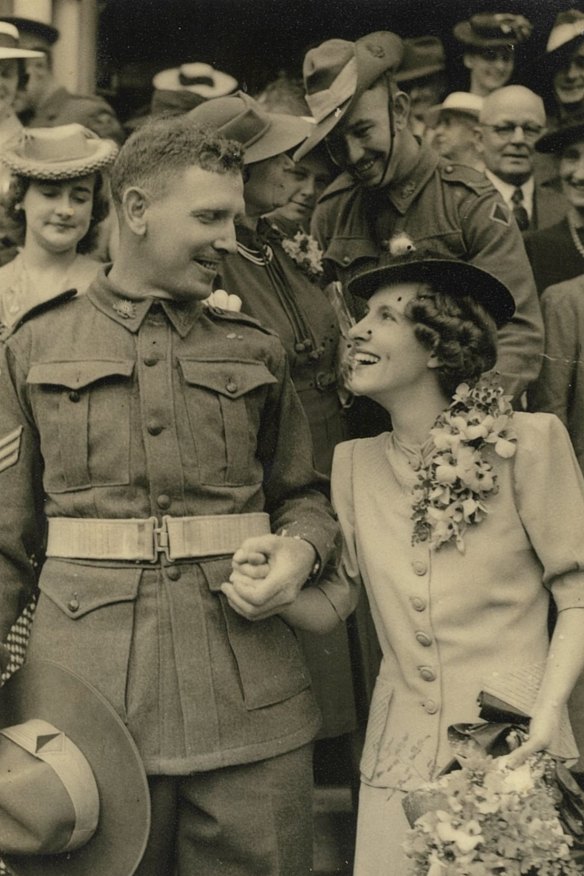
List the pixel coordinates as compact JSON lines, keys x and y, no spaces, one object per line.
{"x":557,"y":140}
{"x":432,"y":115}
{"x":43,"y":689}
{"x":285,"y":133}
{"x":420,"y":73}
{"x":7,"y":54}
{"x":453,"y":276}
{"x":544,"y":66}
{"x":168,"y":80}
{"x":27,"y":25}
{"x":321,"y":130}
{"x":104,"y":153}
{"x":464,"y":34}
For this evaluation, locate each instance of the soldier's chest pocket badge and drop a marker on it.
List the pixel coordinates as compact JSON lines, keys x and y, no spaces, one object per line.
{"x":225,"y":401}
{"x":82,"y":411}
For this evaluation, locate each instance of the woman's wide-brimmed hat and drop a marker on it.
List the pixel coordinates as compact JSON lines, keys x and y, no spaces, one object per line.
{"x":74,"y":796}
{"x":241,"y":118}
{"x":487,"y":30}
{"x":10,"y":47}
{"x":63,"y":152}
{"x":448,"y":275}
{"x":338,"y":72}
{"x":198,"y":78}
{"x":565,"y":37}
{"x":567,"y":131}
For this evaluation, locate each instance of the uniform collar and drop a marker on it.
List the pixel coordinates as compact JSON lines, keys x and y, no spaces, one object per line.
{"x":131,"y":312}
{"x":401,"y":193}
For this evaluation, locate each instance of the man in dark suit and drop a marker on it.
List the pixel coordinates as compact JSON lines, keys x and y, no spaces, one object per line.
{"x":511,"y":120}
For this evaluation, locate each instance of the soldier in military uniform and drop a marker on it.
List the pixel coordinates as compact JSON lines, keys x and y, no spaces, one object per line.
{"x":392,"y":184}
{"x":152,"y":437}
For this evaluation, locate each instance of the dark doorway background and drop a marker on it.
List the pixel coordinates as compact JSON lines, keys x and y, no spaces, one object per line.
{"x":255,"y":39}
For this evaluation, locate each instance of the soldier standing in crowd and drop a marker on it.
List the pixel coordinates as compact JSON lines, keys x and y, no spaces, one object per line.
{"x":392,"y":184}
{"x":152,"y":437}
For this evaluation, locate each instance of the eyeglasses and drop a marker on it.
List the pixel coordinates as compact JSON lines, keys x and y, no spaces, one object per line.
{"x":505,"y":132}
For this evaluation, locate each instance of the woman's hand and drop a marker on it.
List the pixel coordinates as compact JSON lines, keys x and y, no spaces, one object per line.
{"x":543,"y":729}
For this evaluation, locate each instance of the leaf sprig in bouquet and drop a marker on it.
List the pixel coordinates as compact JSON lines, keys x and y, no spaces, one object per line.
{"x":487,"y":820}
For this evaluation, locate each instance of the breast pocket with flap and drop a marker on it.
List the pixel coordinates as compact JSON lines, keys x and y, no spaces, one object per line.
{"x":82,"y":409}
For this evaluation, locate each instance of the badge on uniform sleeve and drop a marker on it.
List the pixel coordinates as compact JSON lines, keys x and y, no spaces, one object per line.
{"x":10,"y":448}
{"x":500,"y":213}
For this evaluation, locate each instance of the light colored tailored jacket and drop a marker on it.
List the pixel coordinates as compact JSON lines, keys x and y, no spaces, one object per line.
{"x":451,"y":625}
{"x":453,"y":210}
{"x":118,"y":409}
{"x":560,"y":386}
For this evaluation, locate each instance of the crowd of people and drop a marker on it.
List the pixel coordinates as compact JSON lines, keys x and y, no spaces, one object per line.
{"x":291,"y":443}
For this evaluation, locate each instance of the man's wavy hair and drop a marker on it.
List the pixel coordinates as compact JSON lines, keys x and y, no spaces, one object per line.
{"x":163,"y":147}
{"x":19,"y":186}
{"x":457,"y":330}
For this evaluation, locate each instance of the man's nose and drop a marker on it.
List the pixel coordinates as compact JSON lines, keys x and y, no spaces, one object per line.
{"x":354,"y":150}
{"x":518,"y":134}
{"x":226,"y":242}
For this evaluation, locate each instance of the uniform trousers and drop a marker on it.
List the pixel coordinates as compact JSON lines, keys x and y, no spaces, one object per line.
{"x":254,"y":819}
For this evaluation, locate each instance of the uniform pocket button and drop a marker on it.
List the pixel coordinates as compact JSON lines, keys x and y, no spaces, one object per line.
{"x":73,"y":605}
{"x":173,"y":572}
{"x":74,"y":396}
{"x":163,"y":501}
{"x":154,"y":427}
{"x":150,"y":360}
{"x":231,"y":386}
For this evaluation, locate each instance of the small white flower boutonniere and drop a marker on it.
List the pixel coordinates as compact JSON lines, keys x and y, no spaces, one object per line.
{"x":305,"y":251}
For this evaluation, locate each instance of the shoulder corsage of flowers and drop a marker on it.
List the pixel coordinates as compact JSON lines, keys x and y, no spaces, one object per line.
{"x":488,"y":820}
{"x":305,"y":251}
{"x":451,"y":490}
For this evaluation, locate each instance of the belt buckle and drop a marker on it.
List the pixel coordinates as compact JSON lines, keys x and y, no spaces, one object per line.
{"x":160,"y":540}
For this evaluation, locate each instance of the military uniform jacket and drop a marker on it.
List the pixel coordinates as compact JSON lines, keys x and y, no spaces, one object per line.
{"x":113,"y":408}
{"x":452,"y":210}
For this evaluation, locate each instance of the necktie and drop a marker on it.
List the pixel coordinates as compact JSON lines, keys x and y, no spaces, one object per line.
{"x":519,"y":210}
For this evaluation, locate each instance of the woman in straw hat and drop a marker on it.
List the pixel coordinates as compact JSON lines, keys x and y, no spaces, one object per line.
{"x":444,"y":523}
{"x":57,"y":196}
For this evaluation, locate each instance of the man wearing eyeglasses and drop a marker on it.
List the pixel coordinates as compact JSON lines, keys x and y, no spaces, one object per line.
{"x":510,"y":121}
{"x":392,"y":184}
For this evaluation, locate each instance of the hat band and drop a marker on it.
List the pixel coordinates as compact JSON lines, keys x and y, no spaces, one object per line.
{"x":195,"y":80}
{"x":564,"y":33}
{"x":323,"y":103}
{"x":72,"y":147}
{"x":47,"y":743}
{"x":7,"y":41}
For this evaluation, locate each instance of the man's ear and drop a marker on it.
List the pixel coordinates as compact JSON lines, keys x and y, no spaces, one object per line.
{"x":467,"y":60}
{"x":401,"y":110}
{"x":478,"y":137}
{"x":135,"y":204}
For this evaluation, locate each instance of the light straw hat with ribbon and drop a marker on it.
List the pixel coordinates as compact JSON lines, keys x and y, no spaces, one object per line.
{"x":74,"y":797}
{"x":10,"y":47}
{"x":241,"y":118}
{"x":63,"y":152}
{"x":456,"y":102}
{"x":338,"y":72}
{"x":199,"y":78}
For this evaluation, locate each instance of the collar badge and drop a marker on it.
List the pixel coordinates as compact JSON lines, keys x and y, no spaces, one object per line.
{"x":124,"y":308}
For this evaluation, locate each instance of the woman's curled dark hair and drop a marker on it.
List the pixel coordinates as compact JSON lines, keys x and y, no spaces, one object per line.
{"x":459,"y":332}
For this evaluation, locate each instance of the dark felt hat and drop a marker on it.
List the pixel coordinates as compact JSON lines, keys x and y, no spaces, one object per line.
{"x":450,"y":275}
{"x":74,"y":797}
{"x":423,"y":56}
{"x":569,"y":130}
{"x":490,"y":29}
{"x":336,"y":74}
{"x":239,"y":117}
{"x":33,"y":34}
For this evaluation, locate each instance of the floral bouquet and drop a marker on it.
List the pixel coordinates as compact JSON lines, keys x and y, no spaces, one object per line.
{"x":485,"y":819}
{"x":303,"y":248}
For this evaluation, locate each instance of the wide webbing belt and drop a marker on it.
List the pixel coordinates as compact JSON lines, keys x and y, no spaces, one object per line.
{"x":178,"y":537}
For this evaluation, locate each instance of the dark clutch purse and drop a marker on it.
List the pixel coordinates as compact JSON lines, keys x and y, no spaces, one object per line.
{"x":502,"y":729}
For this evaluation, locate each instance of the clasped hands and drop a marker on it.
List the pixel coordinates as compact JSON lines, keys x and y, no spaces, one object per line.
{"x":268,"y":574}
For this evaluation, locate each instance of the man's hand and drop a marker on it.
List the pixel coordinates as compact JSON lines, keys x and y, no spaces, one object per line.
{"x":268,"y":574}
